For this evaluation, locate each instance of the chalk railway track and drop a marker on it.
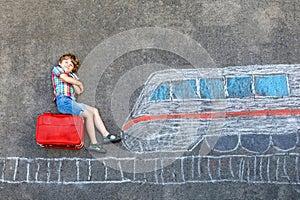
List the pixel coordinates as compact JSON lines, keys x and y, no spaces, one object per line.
{"x":257,"y":169}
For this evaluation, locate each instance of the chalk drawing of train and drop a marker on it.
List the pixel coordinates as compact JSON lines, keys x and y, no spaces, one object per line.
{"x":251,"y":107}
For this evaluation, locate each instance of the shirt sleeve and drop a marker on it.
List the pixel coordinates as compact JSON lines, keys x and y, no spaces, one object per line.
{"x":73,"y":75}
{"x":57,"y":71}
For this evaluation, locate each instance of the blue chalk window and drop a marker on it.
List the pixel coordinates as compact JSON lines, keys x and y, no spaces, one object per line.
{"x":239,"y":87}
{"x":271,"y":85}
{"x":212,"y":88}
{"x":186,"y":89}
{"x":162,"y":92}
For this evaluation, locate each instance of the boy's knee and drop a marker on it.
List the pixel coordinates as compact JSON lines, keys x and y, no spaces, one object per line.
{"x":95,"y":110}
{"x":86,"y":113}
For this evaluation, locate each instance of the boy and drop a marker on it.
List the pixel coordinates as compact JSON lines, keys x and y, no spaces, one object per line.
{"x":66,"y":84}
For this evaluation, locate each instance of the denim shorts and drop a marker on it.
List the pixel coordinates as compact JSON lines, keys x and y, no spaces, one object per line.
{"x":67,"y":105}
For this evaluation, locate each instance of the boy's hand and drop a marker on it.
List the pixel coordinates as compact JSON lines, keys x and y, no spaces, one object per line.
{"x":77,"y":89}
{"x":80,"y":85}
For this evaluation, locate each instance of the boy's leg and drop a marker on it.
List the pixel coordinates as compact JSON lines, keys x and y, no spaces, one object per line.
{"x":107,"y":137}
{"x":101,"y":127}
{"x":90,"y":125}
{"x":94,"y":146}
{"x":81,"y":109}
{"x":98,"y":121}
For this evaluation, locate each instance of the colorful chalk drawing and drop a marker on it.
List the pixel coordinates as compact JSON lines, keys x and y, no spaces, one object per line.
{"x":251,"y":107}
{"x":212,"y":106}
{"x":259,"y":169}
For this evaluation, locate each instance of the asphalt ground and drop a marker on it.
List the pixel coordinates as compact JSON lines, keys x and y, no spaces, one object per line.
{"x":118,"y":43}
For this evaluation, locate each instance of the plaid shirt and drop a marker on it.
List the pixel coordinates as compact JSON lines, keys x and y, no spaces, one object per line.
{"x":61,"y":87}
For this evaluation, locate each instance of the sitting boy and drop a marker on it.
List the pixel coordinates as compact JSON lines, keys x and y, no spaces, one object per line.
{"x":66,"y":84}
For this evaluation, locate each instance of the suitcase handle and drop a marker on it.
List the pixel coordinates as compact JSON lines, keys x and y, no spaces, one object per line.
{"x":48,"y":113}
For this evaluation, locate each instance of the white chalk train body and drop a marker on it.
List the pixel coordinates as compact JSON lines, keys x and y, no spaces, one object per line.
{"x":252,"y":107}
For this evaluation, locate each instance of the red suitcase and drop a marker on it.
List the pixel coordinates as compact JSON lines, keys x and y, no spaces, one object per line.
{"x":60,"y":131}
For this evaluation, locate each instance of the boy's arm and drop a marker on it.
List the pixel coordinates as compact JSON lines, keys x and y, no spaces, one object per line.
{"x":77,"y":85}
{"x":77,"y":89}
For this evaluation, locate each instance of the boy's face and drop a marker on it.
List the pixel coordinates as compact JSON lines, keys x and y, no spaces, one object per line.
{"x":67,"y":65}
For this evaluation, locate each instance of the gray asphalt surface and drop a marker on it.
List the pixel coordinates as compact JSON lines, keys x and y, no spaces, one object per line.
{"x":232,"y":33}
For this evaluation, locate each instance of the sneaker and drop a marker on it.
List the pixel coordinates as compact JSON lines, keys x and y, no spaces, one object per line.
{"x":111,"y":138}
{"x":96,"y":147}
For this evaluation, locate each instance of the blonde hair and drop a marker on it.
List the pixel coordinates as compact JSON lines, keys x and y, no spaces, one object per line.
{"x":73,"y":59}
